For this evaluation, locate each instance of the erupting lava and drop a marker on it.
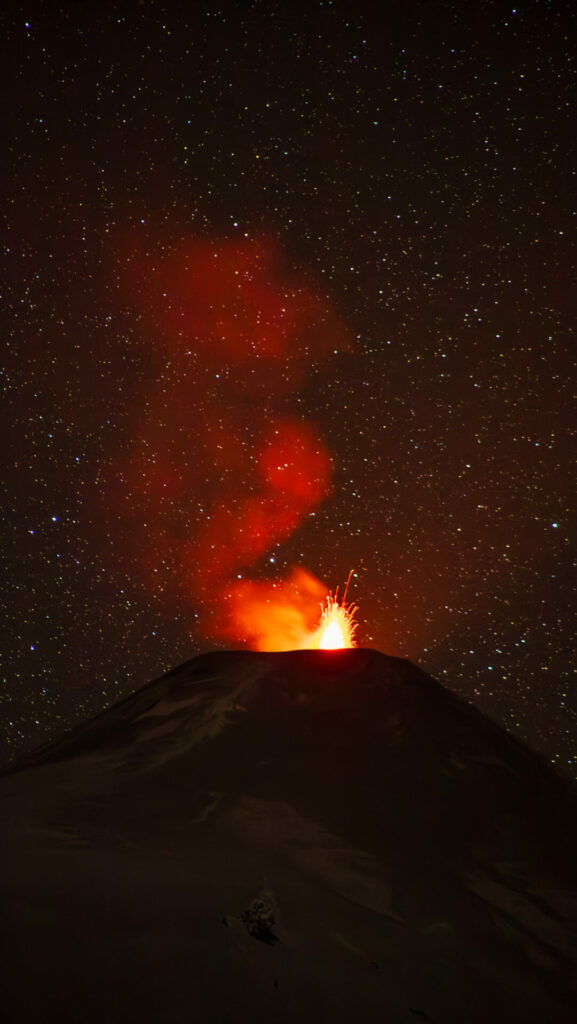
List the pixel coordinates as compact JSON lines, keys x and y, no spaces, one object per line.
{"x":284,"y":615}
{"x":337,"y":627}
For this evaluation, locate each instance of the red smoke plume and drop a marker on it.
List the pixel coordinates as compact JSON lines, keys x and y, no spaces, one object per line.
{"x":219,"y":470}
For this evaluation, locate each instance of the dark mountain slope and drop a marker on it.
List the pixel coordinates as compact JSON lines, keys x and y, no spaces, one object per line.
{"x":306,"y":836}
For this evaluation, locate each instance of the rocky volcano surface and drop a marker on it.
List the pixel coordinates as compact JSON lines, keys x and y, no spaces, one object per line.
{"x":308,"y":836}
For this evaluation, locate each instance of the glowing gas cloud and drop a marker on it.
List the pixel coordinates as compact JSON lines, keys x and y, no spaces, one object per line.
{"x":220,"y":466}
{"x":292,"y":614}
{"x":274,"y":616}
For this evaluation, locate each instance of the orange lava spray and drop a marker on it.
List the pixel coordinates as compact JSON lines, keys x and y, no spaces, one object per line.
{"x":337,"y":627}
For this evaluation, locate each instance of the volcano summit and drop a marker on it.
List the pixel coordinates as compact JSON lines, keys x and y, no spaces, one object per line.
{"x":299,"y":837}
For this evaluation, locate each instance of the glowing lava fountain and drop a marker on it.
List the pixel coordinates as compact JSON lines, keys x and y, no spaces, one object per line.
{"x":337,"y":627}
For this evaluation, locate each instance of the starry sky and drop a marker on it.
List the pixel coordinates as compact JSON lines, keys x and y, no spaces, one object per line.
{"x":332,"y":237}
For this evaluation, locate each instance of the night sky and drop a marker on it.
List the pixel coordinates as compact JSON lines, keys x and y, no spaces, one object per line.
{"x":290,"y":285}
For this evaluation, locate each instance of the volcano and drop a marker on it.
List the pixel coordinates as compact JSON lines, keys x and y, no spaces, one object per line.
{"x":311,"y":836}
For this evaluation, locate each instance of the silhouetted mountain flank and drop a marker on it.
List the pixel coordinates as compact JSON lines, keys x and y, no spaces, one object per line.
{"x":310,"y":836}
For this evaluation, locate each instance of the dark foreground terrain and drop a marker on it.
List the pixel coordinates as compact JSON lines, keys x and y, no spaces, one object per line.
{"x":302,"y":837}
